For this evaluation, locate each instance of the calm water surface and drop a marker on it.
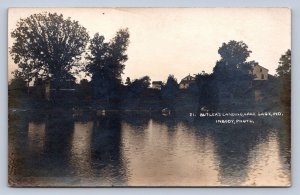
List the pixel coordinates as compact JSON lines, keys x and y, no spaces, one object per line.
{"x":134,"y":150}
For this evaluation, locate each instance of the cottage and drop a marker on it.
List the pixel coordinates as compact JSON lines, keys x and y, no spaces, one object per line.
{"x":259,"y":72}
{"x":157,"y":85}
{"x":186,"y":82}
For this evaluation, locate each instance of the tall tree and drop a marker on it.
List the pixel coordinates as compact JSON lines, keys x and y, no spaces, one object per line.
{"x":118,"y":57}
{"x":284,"y":75}
{"x":284,"y":67}
{"x":106,"y":63}
{"x":231,"y":75}
{"x":46,"y":45}
{"x":97,"y":66}
{"x":169,"y":91}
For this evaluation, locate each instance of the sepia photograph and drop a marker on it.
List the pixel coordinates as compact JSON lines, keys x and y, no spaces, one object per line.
{"x":149,"y":97}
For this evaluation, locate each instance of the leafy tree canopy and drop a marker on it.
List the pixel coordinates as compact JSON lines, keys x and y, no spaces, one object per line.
{"x":233,"y":60}
{"x":106,"y":63}
{"x":284,"y":68}
{"x":106,"y":59}
{"x":47,"y":45}
{"x":234,"y":52}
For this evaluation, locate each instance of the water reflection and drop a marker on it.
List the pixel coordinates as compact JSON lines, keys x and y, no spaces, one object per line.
{"x":36,"y":136}
{"x":107,"y":163}
{"x":140,"y":150}
{"x":80,"y":156}
{"x":59,"y":131}
{"x":265,"y":169}
{"x":168,"y":156}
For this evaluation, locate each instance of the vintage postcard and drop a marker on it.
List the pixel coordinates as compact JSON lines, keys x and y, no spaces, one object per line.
{"x":149,"y":97}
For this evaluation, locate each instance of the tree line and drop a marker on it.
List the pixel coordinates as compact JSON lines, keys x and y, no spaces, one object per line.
{"x":49,"y":47}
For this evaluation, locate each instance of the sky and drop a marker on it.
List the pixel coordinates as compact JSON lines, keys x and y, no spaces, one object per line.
{"x":179,"y":41}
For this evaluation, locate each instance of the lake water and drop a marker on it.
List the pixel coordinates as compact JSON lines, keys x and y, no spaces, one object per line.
{"x":133,"y":150}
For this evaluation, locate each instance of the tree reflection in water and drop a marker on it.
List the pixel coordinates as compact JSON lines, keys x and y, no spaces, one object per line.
{"x":137,"y":149}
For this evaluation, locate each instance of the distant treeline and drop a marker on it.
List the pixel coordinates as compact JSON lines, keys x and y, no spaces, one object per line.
{"x":51,"y":52}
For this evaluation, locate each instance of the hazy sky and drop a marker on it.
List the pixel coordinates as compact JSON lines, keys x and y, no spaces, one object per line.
{"x":180,"y":41}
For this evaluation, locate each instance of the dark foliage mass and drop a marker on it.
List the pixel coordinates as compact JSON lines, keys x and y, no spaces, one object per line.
{"x":138,"y":86}
{"x":207,"y":93}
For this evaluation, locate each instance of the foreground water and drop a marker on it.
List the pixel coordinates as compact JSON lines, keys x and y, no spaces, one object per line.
{"x":134,"y":150}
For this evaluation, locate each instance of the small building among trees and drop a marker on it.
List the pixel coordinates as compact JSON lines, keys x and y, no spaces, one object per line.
{"x":259,"y":72}
{"x":157,"y":85}
{"x":186,"y":82}
{"x":62,"y":90}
